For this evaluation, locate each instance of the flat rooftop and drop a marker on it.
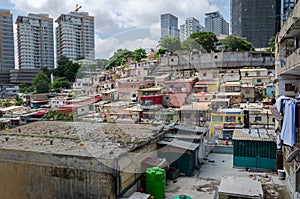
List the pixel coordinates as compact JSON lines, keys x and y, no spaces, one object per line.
{"x":241,"y":187}
{"x":101,"y":140}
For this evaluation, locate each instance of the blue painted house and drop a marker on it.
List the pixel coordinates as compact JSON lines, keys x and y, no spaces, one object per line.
{"x":270,"y":90}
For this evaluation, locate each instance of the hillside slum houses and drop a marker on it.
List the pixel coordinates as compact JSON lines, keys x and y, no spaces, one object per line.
{"x":166,"y":110}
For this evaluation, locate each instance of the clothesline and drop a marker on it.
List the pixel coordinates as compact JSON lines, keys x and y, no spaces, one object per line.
{"x":289,"y":108}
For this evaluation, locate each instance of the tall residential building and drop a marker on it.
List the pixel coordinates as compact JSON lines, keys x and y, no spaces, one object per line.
{"x":190,"y":26}
{"x":287,"y":7}
{"x":255,"y":20}
{"x":7,"y":55}
{"x":75,"y":36}
{"x":169,"y":25}
{"x":215,"y":23}
{"x":35,"y":41}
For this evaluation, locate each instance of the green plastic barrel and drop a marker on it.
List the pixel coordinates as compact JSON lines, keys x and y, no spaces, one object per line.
{"x":183,"y":197}
{"x":156,"y":182}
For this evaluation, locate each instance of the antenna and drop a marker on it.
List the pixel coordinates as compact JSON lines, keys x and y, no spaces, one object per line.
{"x":77,"y":8}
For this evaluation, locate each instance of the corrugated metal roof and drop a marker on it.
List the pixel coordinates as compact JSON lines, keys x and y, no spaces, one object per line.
{"x":191,"y":128}
{"x":253,"y":134}
{"x":180,"y":136}
{"x":181,"y":144}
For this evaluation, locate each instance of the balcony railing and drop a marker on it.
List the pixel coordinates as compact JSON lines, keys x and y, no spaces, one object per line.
{"x":292,"y":61}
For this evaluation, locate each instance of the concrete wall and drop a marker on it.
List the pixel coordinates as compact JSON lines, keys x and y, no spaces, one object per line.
{"x":222,"y":149}
{"x":27,"y":174}
{"x":288,"y":79}
{"x":217,"y":60}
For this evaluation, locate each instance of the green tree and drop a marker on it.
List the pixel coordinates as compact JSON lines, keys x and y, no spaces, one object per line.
{"x":61,"y":82}
{"x":26,"y":88}
{"x":50,"y":115}
{"x":191,"y":44}
{"x":66,"y":68}
{"x":205,"y":40}
{"x":120,"y":57}
{"x":6,"y":104}
{"x":271,"y":43}
{"x":41,"y":83}
{"x":170,"y":43}
{"x":47,"y":71}
{"x":161,"y":51}
{"x":18,"y":100}
{"x":139,"y":53}
{"x":232,"y":43}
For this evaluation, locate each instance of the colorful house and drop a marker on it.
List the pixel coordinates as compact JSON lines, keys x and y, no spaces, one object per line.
{"x":254,"y":148}
{"x":225,"y":118}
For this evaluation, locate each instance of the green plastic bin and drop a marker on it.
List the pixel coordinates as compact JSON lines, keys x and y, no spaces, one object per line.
{"x":156,"y":182}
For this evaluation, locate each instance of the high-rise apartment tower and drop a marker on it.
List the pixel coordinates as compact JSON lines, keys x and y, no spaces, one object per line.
{"x":169,"y":25}
{"x":35,"y":41}
{"x":7,"y":55}
{"x":75,"y":36}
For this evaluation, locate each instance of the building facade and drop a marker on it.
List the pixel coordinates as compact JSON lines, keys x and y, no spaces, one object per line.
{"x":215,"y":23}
{"x":75,"y":36}
{"x":255,"y":20}
{"x":7,"y":56}
{"x":169,"y":25}
{"x":288,"y":82}
{"x":190,"y":26}
{"x":35,"y":41}
{"x":287,"y":7}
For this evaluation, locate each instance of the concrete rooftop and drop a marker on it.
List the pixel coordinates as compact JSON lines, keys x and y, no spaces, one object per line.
{"x":102,"y":140}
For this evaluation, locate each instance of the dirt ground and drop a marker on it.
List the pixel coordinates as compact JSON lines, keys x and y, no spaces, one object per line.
{"x":205,"y":182}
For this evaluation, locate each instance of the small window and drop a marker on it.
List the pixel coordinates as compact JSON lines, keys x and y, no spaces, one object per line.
{"x":289,"y":87}
{"x":230,"y":119}
{"x":273,"y":119}
{"x":258,"y":73}
{"x":259,"y":80}
{"x":257,"y":118}
{"x":217,"y":118}
{"x":172,"y":59}
{"x":216,"y":57}
{"x":204,"y":74}
{"x":246,"y":74}
{"x":247,"y":91}
{"x":132,"y":86}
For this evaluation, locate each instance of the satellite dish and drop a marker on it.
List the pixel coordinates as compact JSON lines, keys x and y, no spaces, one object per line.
{"x":292,"y":155}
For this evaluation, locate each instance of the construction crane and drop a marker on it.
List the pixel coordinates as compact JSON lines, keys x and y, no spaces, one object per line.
{"x":77,"y":8}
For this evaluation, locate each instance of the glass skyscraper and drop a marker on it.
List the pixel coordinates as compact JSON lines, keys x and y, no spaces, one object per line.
{"x":255,"y":20}
{"x":75,"y":36}
{"x":169,"y":25}
{"x":7,"y":55}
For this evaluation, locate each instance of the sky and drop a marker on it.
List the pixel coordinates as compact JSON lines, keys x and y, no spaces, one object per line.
{"x":122,"y":24}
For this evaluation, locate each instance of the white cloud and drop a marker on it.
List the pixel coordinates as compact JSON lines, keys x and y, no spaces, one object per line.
{"x":132,"y":39}
{"x":113,"y":14}
{"x":112,"y":17}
